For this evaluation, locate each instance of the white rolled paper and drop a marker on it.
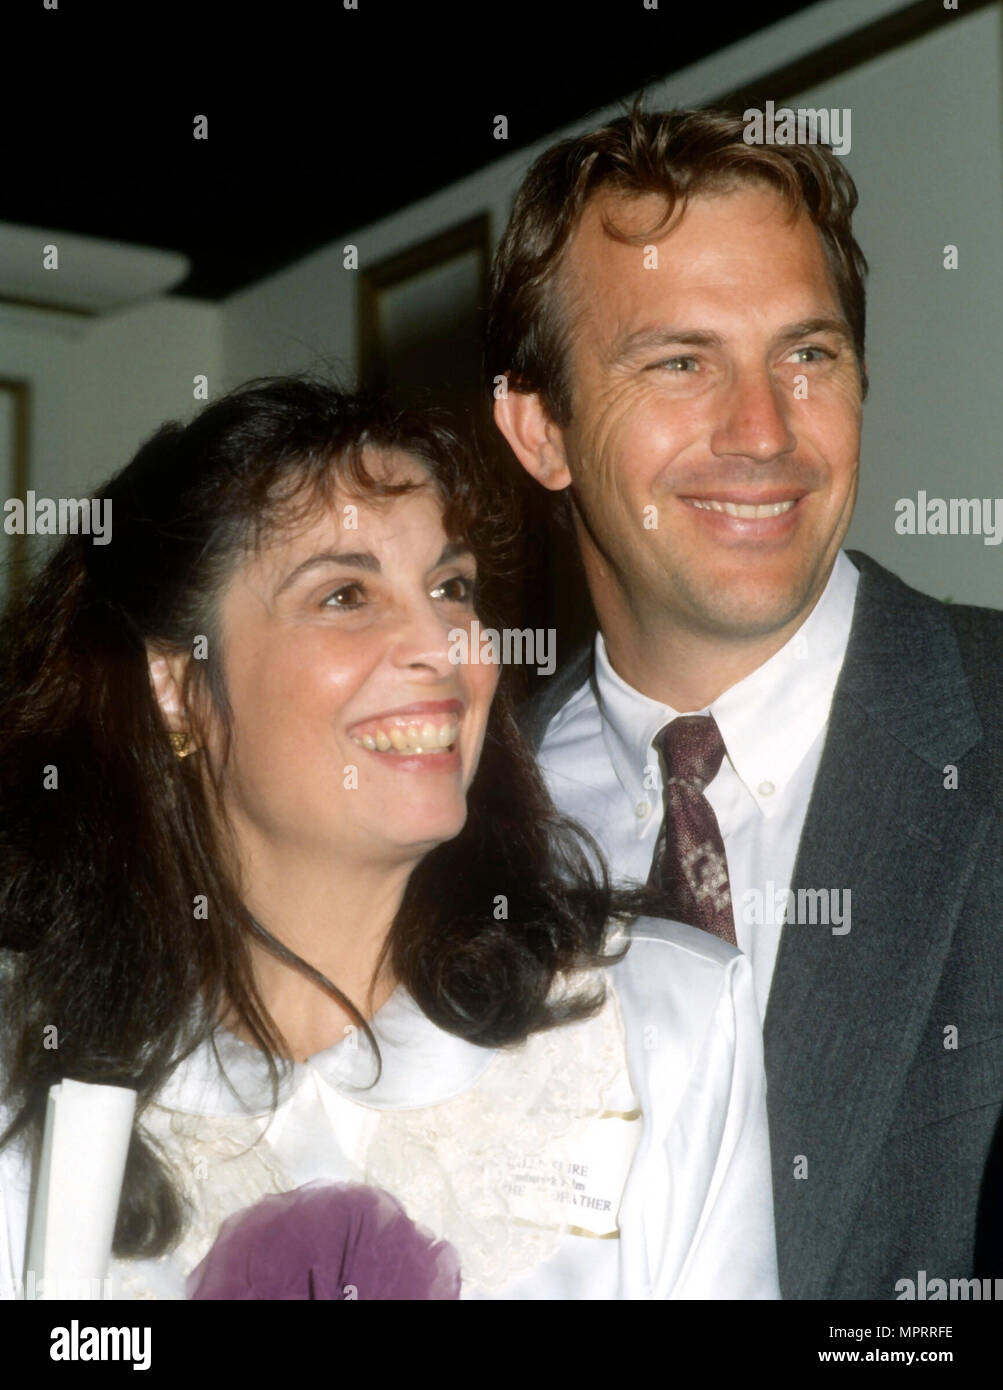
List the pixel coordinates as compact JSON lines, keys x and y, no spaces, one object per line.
{"x":86,"y":1143}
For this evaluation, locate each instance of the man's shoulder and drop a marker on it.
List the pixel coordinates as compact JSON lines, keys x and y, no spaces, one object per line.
{"x":932,"y":633}
{"x":667,"y":958}
{"x":928,"y":673}
{"x":881,"y":585}
{"x":677,"y":978}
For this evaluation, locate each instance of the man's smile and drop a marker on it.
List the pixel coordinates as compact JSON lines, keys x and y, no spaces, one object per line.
{"x":751,"y":511}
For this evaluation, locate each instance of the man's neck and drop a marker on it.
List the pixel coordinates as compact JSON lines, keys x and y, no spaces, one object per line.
{"x":682,"y":668}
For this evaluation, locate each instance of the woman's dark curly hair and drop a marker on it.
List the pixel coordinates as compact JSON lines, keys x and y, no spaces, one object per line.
{"x":98,"y":875}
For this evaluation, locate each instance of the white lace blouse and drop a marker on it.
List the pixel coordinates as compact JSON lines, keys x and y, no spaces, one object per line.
{"x":625,"y":1156}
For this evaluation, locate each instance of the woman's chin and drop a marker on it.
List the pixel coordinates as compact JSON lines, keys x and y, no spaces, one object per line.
{"x":421,"y":834}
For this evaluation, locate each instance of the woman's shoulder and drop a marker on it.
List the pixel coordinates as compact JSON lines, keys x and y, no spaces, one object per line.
{"x":670,"y":960}
{"x":687,"y":1004}
{"x":682,"y":940}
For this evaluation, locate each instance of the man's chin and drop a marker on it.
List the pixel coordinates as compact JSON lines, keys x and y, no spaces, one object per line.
{"x":752,"y":616}
{"x":752,"y":600}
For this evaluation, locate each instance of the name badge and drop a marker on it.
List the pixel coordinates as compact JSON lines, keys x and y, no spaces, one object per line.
{"x":577,"y":1184}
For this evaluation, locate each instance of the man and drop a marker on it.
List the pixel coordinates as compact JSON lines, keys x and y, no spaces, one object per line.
{"x":802,"y":754}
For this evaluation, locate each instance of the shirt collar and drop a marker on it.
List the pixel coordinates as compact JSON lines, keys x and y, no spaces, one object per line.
{"x":768,"y":721}
{"x":422,"y":1065}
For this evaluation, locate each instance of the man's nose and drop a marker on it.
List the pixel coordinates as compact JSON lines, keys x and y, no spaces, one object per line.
{"x":754,"y":421}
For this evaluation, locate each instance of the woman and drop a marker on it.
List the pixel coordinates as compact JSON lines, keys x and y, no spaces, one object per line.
{"x":299,"y":884}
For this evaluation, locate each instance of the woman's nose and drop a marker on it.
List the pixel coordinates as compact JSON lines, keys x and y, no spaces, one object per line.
{"x":422,"y":640}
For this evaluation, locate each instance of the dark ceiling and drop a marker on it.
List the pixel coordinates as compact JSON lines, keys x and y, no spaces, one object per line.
{"x":321,"y":119}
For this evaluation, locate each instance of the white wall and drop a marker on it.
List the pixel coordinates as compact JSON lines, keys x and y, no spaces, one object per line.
{"x":100,"y":386}
{"x":927,"y":159}
{"x":138,"y":366}
{"x":305,"y":316}
{"x":38,"y":348}
{"x":927,"y":156}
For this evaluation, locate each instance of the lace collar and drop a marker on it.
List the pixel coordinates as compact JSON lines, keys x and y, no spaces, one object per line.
{"x":422,"y":1065}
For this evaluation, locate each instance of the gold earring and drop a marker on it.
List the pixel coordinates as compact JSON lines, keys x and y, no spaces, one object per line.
{"x":182,"y":744}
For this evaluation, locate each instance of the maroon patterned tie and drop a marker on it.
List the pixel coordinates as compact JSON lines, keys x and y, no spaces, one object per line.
{"x":689,"y":865}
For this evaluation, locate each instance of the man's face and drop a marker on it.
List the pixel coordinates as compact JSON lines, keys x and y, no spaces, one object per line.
{"x":720,"y":380}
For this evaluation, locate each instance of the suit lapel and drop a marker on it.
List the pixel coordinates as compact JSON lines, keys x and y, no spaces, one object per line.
{"x":846,"y":1011}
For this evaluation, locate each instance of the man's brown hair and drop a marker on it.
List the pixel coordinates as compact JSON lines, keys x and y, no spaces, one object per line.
{"x":676,"y":154}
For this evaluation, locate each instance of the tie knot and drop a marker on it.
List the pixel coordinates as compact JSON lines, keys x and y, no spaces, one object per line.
{"x":692,"y":749}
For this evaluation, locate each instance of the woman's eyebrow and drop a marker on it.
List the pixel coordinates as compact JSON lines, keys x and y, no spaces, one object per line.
{"x":452,"y":551}
{"x":350,"y":559}
{"x":361,"y":560}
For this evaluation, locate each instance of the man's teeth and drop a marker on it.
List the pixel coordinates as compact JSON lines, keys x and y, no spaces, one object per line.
{"x":743,"y":509}
{"x":412,"y":738}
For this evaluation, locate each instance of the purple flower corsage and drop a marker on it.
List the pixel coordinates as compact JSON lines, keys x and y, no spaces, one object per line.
{"x":326,"y":1241}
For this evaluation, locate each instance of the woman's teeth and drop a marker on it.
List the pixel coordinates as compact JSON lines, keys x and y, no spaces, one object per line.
{"x":411,"y":738}
{"x":745,"y":510}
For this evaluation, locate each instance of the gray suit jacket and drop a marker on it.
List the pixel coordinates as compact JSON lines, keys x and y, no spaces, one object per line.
{"x":896,"y":1136}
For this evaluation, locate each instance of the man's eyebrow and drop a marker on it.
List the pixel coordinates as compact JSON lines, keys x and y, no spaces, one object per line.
{"x":361,"y":560}
{"x":642,"y":340}
{"x":807,"y":328}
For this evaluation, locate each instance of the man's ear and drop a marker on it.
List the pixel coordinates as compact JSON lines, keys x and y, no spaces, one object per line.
{"x":167,"y":673}
{"x":535,"y":440}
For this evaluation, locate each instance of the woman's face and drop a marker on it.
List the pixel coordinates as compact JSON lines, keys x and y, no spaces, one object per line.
{"x":353,"y":732}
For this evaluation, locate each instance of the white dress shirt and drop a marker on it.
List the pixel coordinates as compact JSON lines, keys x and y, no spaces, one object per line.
{"x":602,"y":768}
{"x":622,"y":1157}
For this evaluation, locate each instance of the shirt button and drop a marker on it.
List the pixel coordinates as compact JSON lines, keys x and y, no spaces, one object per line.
{"x":642,"y":810}
{"x":766,"y":789}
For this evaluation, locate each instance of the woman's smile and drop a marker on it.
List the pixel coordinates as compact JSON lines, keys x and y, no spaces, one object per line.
{"x":416,"y":737}
{"x":347,"y":631}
